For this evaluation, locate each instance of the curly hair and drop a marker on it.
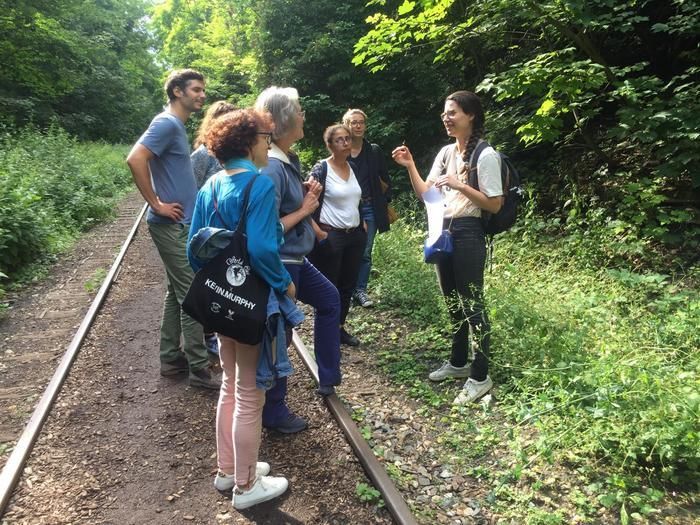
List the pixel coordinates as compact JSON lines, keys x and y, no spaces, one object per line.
{"x":234,"y":134}
{"x":218,"y":108}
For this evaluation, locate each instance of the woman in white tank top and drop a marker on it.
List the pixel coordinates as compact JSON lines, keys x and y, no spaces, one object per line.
{"x":340,"y":233}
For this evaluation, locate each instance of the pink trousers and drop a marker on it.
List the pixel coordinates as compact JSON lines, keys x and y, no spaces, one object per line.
{"x":239,"y":412}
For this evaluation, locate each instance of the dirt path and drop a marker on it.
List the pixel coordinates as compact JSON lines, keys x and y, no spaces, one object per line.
{"x":126,"y":446}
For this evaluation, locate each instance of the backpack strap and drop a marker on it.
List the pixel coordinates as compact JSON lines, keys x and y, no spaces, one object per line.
{"x":473,"y":178}
{"x":320,"y":174}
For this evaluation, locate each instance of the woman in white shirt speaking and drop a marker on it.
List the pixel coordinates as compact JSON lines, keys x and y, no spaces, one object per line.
{"x":340,"y":233}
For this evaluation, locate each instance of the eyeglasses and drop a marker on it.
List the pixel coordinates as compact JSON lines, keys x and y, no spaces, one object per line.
{"x":268,"y":136}
{"x":448,"y":115}
{"x":357,"y":122}
{"x":302,"y":113}
{"x":342,"y":140}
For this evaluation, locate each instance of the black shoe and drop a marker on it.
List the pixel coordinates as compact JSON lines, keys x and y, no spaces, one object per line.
{"x":173,"y":368}
{"x":325,"y":390}
{"x":291,"y":425}
{"x":206,"y":378}
{"x":347,"y":339}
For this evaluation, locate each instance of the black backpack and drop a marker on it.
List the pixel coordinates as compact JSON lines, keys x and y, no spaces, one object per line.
{"x":512,"y":191}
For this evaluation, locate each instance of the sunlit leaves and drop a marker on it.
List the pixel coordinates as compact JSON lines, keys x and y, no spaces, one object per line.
{"x":392,"y":36}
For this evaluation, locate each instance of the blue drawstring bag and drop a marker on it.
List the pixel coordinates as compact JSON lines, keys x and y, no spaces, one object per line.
{"x":441,"y":248}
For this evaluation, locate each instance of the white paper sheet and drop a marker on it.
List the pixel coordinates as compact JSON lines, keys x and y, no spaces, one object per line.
{"x":435,"y":208}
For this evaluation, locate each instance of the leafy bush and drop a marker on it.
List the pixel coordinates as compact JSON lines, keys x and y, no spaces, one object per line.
{"x":602,"y":362}
{"x":51,"y":187}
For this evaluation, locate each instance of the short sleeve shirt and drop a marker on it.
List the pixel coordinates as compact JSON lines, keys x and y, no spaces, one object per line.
{"x":341,"y":200}
{"x":171,"y":168}
{"x":488,"y":169}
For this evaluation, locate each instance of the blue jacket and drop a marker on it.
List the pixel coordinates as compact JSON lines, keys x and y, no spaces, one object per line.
{"x":282,"y":314}
{"x":285,"y":172}
{"x":263,"y":229}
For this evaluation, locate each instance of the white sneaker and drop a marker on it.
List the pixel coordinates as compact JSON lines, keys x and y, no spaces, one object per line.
{"x":226,"y":482}
{"x":447,"y":370}
{"x":473,"y":391}
{"x":265,"y":488}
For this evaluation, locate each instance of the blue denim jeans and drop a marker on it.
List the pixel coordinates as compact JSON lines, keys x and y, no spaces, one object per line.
{"x":317,"y":291}
{"x":367,"y":215}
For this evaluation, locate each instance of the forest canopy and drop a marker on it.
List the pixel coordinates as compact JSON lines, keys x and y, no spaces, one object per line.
{"x":597,"y":101}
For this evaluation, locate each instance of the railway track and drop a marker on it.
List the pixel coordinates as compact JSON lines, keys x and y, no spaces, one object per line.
{"x":114,"y":399}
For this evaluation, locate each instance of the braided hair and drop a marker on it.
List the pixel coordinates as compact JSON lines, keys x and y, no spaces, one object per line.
{"x":471,"y":105}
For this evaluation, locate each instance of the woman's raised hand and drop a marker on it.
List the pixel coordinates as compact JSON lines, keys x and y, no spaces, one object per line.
{"x":313,"y":186}
{"x":449,"y":181}
{"x":402,"y":155}
{"x":310,"y":202}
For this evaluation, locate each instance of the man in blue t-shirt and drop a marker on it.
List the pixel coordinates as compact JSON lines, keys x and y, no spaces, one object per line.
{"x":162,"y":170}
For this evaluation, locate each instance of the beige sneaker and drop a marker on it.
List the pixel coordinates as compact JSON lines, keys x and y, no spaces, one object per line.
{"x":265,"y":488}
{"x":447,"y":370}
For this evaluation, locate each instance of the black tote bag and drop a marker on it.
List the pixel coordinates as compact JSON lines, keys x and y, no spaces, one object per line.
{"x":226,"y":295}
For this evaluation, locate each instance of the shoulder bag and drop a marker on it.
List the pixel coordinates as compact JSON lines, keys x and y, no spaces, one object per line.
{"x":226,"y":296}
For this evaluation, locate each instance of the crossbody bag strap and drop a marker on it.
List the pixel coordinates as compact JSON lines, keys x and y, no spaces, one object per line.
{"x":244,"y":208}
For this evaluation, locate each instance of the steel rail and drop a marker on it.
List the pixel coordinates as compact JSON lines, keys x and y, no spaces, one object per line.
{"x":374,"y":469}
{"x":12,"y":470}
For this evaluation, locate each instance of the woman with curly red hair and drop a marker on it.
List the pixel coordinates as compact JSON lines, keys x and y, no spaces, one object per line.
{"x":240,"y":141}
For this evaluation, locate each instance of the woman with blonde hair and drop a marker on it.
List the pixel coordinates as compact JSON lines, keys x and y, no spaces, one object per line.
{"x":204,"y":164}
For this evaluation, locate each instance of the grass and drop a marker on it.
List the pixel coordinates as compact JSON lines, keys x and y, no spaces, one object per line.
{"x":93,"y":284}
{"x":598,"y":374}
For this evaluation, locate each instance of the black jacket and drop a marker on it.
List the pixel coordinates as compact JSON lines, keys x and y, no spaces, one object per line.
{"x":377,"y":171}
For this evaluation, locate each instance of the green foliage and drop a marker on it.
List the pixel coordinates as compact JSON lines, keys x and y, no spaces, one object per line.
{"x":368,"y":494}
{"x":87,"y":64}
{"x":93,"y":284}
{"x":599,"y":368}
{"x":51,"y":187}
{"x":603,"y":94}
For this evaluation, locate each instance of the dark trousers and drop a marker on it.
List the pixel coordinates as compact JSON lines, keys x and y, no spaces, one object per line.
{"x":461,"y":279}
{"x":339,"y":258}
{"x":317,"y":291}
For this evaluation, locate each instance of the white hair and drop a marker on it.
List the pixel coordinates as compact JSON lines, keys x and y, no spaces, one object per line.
{"x":283,"y":104}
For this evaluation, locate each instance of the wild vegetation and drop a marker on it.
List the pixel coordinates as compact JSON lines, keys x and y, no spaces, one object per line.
{"x":597,"y":369}
{"x":51,"y":188}
{"x":593,"y":296}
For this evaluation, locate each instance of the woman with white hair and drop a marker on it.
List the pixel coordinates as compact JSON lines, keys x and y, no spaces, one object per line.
{"x":297,"y":200}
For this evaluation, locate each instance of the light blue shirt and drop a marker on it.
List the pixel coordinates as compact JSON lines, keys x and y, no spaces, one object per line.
{"x":171,"y":168}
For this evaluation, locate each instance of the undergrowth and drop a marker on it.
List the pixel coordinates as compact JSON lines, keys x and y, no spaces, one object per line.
{"x":51,"y":188}
{"x":598,"y":369}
